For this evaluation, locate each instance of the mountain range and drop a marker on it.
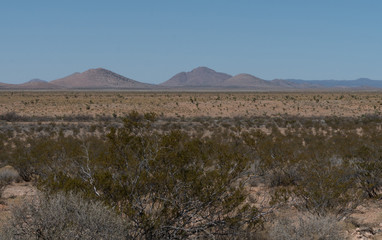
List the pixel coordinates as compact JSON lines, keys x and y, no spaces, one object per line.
{"x":198,"y":78}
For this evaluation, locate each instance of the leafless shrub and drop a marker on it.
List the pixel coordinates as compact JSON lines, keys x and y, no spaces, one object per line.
{"x":7,"y":175}
{"x":307,"y":227}
{"x":63,"y":217}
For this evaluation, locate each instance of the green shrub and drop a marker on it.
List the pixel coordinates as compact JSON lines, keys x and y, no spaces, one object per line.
{"x":173,"y":179}
{"x":168,"y":185}
{"x":327,"y":189}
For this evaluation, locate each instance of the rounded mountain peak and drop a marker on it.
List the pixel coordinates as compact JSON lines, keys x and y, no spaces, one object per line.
{"x":202,"y":69}
{"x":96,"y":70}
{"x":198,"y":77}
{"x":99,"y":78}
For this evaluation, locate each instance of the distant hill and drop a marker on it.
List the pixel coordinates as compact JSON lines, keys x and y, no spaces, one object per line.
{"x":99,"y":78}
{"x":4,"y":85}
{"x":246,"y":80}
{"x":205,"y":77}
{"x":91,"y":79}
{"x":199,"y":77}
{"x":33,"y":84}
{"x":358,"y":83}
{"x":37,"y":84}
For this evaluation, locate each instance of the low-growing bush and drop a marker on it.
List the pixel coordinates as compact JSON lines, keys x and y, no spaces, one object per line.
{"x":307,"y":227}
{"x":169,"y":186}
{"x":7,"y":175}
{"x":10,"y":117}
{"x":63,"y":216}
{"x":186,"y":178}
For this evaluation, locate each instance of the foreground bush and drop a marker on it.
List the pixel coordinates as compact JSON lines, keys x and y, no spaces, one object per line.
{"x":168,"y":185}
{"x":63,"y":217}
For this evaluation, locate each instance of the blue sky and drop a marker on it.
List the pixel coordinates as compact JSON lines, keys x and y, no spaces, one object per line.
{"x":150,"y":41}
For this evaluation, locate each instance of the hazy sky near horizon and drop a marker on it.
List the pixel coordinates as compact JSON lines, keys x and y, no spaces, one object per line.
{"x":151,"y":40}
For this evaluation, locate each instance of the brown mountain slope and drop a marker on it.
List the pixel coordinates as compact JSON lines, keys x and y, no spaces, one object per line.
{"x":199,"y":77}
{"x":36,"y":84}
{"x":99,"y":78}
{"x":203,"y":77}
{"x":247,"y":80}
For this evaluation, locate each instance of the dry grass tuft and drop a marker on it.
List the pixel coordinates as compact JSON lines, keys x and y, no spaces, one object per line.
{"x":307,"y":227}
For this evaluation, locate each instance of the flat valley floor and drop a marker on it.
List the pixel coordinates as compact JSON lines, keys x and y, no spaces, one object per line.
{"x":191,"y":104}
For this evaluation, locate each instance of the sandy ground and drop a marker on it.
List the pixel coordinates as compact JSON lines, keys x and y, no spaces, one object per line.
{"x":13,"y":195}
{"x":367,"y":216}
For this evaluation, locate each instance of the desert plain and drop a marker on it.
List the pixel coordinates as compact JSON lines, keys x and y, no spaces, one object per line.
{"x":191,"y":104}
{"x":338,"y":117}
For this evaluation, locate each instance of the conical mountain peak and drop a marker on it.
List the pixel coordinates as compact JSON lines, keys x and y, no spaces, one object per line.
{"x":99,"y":78}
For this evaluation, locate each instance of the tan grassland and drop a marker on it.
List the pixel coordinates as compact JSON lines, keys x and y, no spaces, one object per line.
{"x":190,"y":104}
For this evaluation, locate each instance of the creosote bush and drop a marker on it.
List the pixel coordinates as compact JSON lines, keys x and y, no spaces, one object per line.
{"x":168,"y":185}
{"x":174,"y":179}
